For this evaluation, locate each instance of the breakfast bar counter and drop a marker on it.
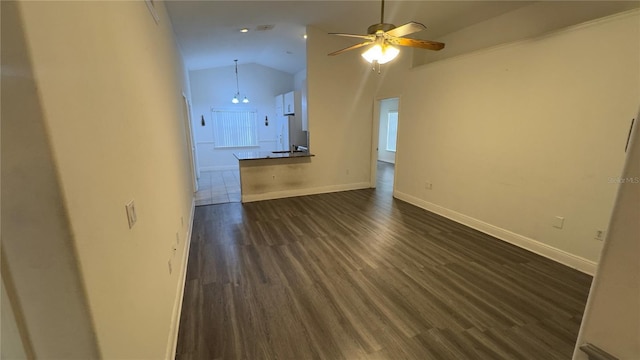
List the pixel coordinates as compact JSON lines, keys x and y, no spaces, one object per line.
{"x":268,"y":175}
{"x":260,"y":155}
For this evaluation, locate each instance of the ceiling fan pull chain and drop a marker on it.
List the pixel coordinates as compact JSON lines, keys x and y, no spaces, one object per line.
{"x":373,"y":66}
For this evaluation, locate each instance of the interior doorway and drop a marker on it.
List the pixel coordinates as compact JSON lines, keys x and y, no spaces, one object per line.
{"x":385,"y":135}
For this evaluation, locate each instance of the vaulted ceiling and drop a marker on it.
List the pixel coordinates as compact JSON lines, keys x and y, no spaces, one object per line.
{"x":208,"y":32}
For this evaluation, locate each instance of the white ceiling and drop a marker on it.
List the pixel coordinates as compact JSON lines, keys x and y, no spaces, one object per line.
{"x":208,"y":31}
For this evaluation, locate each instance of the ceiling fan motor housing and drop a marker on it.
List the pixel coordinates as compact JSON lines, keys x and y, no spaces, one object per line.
{"x":382,"y":26}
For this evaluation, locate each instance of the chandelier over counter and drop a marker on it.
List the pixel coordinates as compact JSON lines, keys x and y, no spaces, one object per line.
{"x":236,"y":97}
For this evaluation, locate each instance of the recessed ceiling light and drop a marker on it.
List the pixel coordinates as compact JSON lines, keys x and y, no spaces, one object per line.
{"x":244,"y":30}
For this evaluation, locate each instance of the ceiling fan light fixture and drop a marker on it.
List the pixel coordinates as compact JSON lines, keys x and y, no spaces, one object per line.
{"x":235,"y":99}
{"x":388,"y":53}
{"x":245,"y":100}
{"x":373,"y":53}
{"x":381,"y":35}
{"x":381,"y":54}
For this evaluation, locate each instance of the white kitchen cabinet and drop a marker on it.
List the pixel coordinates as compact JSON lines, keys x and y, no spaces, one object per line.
{"x":279,"y":105}
{"x":289,"y":106}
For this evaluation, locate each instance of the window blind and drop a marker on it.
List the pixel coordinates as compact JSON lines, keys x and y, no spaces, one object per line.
{"x":235,"y":128}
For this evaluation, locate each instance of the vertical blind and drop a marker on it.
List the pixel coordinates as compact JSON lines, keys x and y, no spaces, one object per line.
{"x":235,"y":128}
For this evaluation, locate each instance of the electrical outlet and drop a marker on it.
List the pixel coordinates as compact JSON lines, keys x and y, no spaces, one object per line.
{"x":428,"y":185}
{"x":600,"y":235}
{"x":131,"y":213}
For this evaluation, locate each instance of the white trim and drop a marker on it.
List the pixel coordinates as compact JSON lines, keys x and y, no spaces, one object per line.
{"x":579,"y":263}
{"x":302,"y":192}
{"x":172,"y":342}
{"x":219,"y":168}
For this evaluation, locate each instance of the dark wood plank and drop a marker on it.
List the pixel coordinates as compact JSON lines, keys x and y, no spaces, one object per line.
{"x":360,"y":275}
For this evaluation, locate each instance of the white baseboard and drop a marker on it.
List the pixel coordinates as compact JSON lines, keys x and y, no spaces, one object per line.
{"x":579,"y":263}
{"x":219,"y":168}
{"x":302,"y":192}
{"x":172,"y":342}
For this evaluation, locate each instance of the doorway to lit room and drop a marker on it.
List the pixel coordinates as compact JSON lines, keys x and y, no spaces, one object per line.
{"x":384,"y":152}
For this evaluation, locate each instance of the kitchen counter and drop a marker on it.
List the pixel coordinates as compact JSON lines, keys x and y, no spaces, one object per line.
{"x":259,"y":155}
{"x":270,"y":175}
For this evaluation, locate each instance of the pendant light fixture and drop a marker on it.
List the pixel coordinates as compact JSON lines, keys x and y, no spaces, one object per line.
{"x":235,"y":99}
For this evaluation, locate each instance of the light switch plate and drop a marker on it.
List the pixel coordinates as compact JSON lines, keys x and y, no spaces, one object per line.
{"x":558,"y":222}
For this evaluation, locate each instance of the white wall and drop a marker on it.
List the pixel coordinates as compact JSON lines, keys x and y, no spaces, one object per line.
{"x":386,"y":106}
{"x":39,"y":265}
{"x":214,"y":88}
{"x":110,"y":84}
{"x":340,"y":93}
{"x":535,"y":19}
{"x":513,"y":136}
{"x":612,"y":316}
{"x":299,"y":80}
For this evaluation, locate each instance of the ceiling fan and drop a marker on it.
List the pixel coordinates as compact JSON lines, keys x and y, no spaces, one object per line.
{"x":383,"y":36}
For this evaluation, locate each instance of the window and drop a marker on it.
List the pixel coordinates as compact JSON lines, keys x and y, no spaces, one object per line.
{"x":392,"y":130}
{"x":235,"y":128}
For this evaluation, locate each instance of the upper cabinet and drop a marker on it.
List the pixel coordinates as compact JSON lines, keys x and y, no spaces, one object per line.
{"x":289,"y":106}
{"x":286,"y":103}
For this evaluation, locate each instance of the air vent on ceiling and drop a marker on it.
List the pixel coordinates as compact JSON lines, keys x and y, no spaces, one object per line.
{"x":264,"y":27}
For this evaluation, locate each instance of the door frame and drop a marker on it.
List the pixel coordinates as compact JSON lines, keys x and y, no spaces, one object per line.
{"x":375,"y":137}
{"x":193,"y":154}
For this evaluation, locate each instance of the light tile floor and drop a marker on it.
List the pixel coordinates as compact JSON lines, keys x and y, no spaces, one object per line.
{"x":218,"y":187}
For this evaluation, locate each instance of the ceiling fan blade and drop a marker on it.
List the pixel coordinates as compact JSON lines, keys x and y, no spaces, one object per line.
{"x":422,"y":44}
{"x":350,"y":48}
{"x":355,"y":35}
{"x":406,"y":29}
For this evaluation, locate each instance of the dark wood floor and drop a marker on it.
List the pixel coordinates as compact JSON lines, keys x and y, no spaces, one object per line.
{"x":360,"y":275}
